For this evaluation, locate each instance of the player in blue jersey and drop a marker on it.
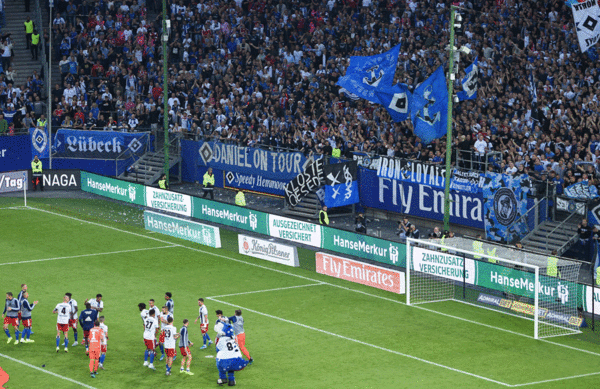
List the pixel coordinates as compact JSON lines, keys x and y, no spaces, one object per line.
{"x":169,"y":303}
{"x":184,"y":348}
{"x":86,"y":319}
{"x":11,"y":316}
{"x":26,"y":309}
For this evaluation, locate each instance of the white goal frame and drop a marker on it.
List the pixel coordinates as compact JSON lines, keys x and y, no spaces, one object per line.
{"x":535,"y":269}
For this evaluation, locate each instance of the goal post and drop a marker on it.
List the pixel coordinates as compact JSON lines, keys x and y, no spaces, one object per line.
{"x":499,"y":279}
{"x":13,"y":189}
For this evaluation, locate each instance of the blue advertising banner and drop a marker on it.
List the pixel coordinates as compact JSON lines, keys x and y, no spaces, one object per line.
{"x":248,"y":160}
{"x":505,"y":201}
{"x":419,"y":199}
{"x":413,"y":171}
{"x":254,"y":183}
{"x":97,"y":144}
{"x":15,"y":153}
{"x":40,"y":145}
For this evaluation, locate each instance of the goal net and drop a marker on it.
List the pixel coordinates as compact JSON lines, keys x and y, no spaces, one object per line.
{"x":502,"y":279}
{"x":13,"y":189}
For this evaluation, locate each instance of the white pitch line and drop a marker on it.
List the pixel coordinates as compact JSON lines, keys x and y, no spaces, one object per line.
{"x":266,"y":290}
{"x":47,"y":372}
{"x":86,"y":255}
{"x":309,"y":279}
{"x":365,"y":344}
{"x":556,"y":379}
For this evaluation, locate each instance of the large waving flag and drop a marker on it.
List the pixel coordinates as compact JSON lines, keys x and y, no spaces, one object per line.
{"x":341,"y":187}
{"x":365,"y":74}
{"x":586,"y":15}
{"x":396,"y":100}
{"x":429,"y":107}
{"x":470,"y":83}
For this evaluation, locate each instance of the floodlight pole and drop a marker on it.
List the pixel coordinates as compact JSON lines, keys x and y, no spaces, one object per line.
{"x":165,"y":39}
{"x":49,"y":86}
{"x":449,"y":122}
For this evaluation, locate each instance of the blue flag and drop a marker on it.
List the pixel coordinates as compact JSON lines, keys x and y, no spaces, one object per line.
{"x":581,"y":191}
{"x":429,"y":107}
{"x":341,"y":187}
{"x":470,"y":83}
{"x":365,"y":74}
{"x":396,"y":100}
{"x":39,"y":142}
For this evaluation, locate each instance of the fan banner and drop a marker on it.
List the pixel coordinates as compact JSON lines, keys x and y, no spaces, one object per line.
{"x":304,"y":183}
{"x":586,"y":16}
{"x":366,"y":74}
{"x":341,"y":187}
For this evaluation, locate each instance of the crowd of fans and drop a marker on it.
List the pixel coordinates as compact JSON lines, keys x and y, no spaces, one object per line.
{"x":263,"y":73}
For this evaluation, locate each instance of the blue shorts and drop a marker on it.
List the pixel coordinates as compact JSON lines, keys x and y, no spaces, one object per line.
{"x":234,"y":364}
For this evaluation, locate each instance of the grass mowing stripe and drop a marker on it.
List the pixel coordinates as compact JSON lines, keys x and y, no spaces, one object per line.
{"x":314,"y":280}
{"x":87,"y":255}
{"x":557,"y":379}
{"x":363,"y":343}
{"x":267,"y":290}
{"x":47,"y":372}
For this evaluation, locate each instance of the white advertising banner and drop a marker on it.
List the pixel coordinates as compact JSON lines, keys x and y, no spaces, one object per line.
{"x":443,"y":265}
{"x":294,"y":230}
{"x":269,"y":251}
{"x":168,"y":201}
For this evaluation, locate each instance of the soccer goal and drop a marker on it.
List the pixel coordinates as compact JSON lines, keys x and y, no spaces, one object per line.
{"x":500,"y":279}
{"x":13,"y":189}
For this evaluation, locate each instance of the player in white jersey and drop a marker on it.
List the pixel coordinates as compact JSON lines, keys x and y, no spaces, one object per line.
{"x":203,"y":317}
{"x":150,"y":328}
{"x":73,"y":318}
{"x":63,"y":310}
{"x":170,"y":334}
{"x":163,"y":319}
{"x":103,"y":342}
{"x":143,"y":311}
{"x":97,"y":303}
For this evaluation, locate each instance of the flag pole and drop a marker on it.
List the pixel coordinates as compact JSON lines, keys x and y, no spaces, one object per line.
{"x":449,"y":122}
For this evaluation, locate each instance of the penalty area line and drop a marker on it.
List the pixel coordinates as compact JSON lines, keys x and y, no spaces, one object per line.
{"x":47,"y":372}
{"x":87,"y":255}
{"x":364,"y":343}
{"x":266,"y":290}
{"x":556,"y":379}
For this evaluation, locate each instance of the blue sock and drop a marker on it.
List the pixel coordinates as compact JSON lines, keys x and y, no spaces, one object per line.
{"x":204,"y":337}
{"x":152,"y":354}
{"x":23,"y":334}
{"x":17,"y":334}
{"x":28,"y":332}
{"x":162,"y":349}
{"x":57,"y":341}
{"x":102,"y":358}
{"x":146,"y":355}
{"x":76,"y":336}
{"x":66,"y":342}
{"x":167,"y":365}
{"x":7,"y":333}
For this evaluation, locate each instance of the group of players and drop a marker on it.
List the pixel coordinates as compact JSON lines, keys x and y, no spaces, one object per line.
{"x":18,"y":309}
{"x":159,"y":330}
{"x":95,"y":331}
{"x":158,"y":324}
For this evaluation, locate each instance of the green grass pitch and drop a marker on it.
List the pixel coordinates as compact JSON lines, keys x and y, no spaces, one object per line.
{"x":304,"y":330}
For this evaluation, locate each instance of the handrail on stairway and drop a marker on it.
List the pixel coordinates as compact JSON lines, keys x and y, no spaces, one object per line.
{"x":560,"y":225}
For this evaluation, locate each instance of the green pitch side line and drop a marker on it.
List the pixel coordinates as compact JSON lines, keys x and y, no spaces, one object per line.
{"x":365,"y":343}
{"x":86,"y":255}
{"x":311,"y":279}
{"x":47,"y":372}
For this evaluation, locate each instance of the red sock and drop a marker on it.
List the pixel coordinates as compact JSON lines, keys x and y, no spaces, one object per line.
{"x":96,"y":361}
{"x":91,"y":365}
